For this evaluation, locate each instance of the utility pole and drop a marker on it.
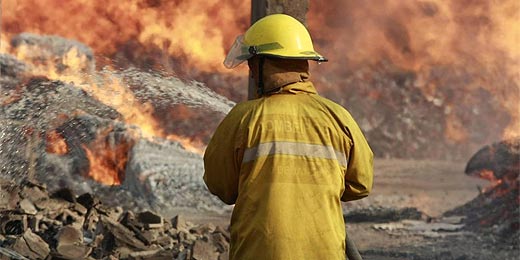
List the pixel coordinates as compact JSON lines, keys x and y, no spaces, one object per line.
{"x":260,"y":8}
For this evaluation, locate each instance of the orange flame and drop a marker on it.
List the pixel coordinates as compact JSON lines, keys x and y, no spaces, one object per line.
{"x":107,"y":160}
{"x":476,"y":36}
{"x":107,"y":163}
{"x":415,"y":35}
{"x":56,"y":143}
{"x":194,"y":31}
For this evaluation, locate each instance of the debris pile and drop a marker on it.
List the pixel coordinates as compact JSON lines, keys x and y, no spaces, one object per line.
{"x":400,"y":120}
{"x":383,"y":214}
{"x":62,"y":135}
{"x":497,"y":208}
{"x":36,"y":225}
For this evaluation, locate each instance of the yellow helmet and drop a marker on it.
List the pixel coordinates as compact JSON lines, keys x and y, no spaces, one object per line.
{"x":276,"y":35}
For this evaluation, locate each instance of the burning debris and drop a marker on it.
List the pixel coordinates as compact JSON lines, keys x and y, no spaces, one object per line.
{"x":53,"y":54}
{"x":497,"y":208}
{"x":93,"y":132}
{"x":400,"y":121}
{"x":36,"y":225}
{"x":427,"y":70}
{"x":424,"y":79}
{"x":450,"y":57}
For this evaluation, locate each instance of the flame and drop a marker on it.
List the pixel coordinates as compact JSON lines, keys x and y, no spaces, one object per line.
{"x":107,"y":163}
{"x":109,"y":90}
{"x":194,"y":32}
{"x":56,"y":143}
{"x":116,"y":94}
{"x":106,"y":166}
{"x":107,"y":159}
{"x":194,"y":146}
{"x":478,"y":38}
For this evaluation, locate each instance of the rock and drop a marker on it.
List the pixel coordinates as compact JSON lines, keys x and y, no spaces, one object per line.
{"x":495,"y":210}
{"x":220,"y":242}
{"x":501,"y":158}
{"x":224,"y":256}
{"x":120,"y":234}
{"x":148,"y":254}
{"x":80,"y":209}
{"x":382,"y":214}
{"x":11,"y":254}
{"x":91,"y":221}
{"x":73,"y":252}
{"x":179,"y":222}
{"x":203,"y":229}
{"x":150,"y":219}
{"x":70,"y":231}
{"x":9,"y":197}
{"x":222,"y":231}
{"x":31,"y":245}
{"x":27,"y":207}
{"x":203,"y":250}
{"x":34,"y":193}
{"x":88,"y":200}
{"x":69,"y":235}
{"x":11,"y":224}
{"x":34,"y":222}
{"x":148,"y":236}
{"x":70,"y":243}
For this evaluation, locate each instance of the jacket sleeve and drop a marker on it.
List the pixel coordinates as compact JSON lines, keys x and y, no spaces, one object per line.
{"x":222,"y":159}
{"x":360,"y":169}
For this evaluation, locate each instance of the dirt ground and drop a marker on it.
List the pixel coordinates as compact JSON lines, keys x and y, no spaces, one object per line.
{"x":432,"y":187}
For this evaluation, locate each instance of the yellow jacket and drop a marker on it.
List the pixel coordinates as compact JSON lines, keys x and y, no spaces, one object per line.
{"x":285,"y":161}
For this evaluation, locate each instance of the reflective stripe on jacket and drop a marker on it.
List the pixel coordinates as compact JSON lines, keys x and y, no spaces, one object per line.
{"x":286,"y":161}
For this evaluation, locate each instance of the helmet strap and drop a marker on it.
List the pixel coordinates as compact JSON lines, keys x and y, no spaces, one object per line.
{"x":260,"y":90}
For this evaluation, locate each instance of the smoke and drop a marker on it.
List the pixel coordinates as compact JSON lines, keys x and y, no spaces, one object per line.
{"x":462,"y":56}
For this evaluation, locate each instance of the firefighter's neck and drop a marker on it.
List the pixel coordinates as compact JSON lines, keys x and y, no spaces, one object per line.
{"x":272,"y":74}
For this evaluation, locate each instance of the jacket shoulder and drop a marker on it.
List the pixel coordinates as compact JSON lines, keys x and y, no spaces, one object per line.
{"x":334,"y":107}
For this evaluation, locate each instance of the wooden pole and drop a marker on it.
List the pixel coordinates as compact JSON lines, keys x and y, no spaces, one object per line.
{"x":260,"y":8}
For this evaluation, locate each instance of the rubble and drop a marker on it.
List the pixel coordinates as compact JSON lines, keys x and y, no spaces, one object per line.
{"x":168,"y":177}
{"x":66,"y":229}
{"x":400,"y":119}
{"x":496,"y":210}
{"x":47,"y":126}
{"x":383,"y":214}
{"x":11,"y":73}
{"x":435,"y":229}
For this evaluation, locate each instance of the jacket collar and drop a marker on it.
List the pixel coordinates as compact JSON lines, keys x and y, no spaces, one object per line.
{"x":287,"y":76}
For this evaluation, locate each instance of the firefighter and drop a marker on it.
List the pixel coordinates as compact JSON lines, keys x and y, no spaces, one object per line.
{"x":288,"y":157}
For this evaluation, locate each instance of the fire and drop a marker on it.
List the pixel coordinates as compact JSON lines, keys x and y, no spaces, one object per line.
{"x":477,"y":39}
{"x":55,"y":143}
{"x":475,"y":42}
{"x":114,"y":93}
{"x":194,"y":146}
{"x":192,"y":32}
{"x":106,"y":162}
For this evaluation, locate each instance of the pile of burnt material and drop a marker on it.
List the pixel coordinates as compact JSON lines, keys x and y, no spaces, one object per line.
{"x":38,"y":225}
{"x":62,"y":135}
{"x":497,"y":208}
{"x":383,"y":214}
{"x":400,"y":118}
